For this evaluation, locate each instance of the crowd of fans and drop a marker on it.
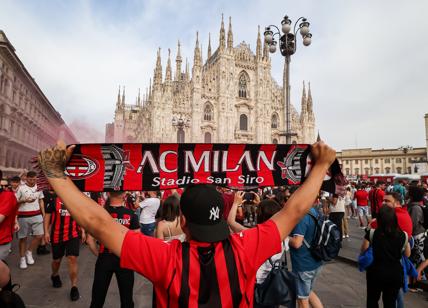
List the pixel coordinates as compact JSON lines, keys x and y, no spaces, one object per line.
{"x":397,"y":213}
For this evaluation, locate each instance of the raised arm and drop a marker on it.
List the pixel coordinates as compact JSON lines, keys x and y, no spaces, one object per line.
{"x":302,"y":200}
{"x":87,"y":213}
{"x":231,"y":219}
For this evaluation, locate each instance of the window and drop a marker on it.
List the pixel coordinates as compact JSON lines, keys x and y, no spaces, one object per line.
{"x":243,"y":122}
{"x":357,"y":171}
{"x":376,"y":170}
{"x":409,"y":170}
{"x":387,"y":160}
{"x":366,"y":171}
{"x":376,"y":161}
{"x":207,"y":137}
{"x":275,"y":141}
{"x":387,"y":170}
{"x":243,"y":83}
{"x":398,"y":160}
{"x":347,"y":171}
{"x":208,"y":112}
{"x":274,"y":122}
{"x":399,"y":170}
{"x":366,"y":161}
{"x":356,"y":161}
{"x":410,"y":160}
{"x":346,"y":162}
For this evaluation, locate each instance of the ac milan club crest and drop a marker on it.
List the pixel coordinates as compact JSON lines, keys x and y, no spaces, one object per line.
{"x":81,"y":167}
{"x":116,"y":163}
{"x":290,"y":166}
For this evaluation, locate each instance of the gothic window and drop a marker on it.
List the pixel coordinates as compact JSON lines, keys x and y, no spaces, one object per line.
{"x":208,"y":112}
{"x":274,"y":122}
{"x":207,"y":137}
{"x":243,"y":85}
{"x":180,"y":135}
{"x":243,"y":122}
{"x":275,"y":141}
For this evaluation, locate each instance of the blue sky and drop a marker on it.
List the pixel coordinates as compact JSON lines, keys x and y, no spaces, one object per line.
{"x":366,"y":64}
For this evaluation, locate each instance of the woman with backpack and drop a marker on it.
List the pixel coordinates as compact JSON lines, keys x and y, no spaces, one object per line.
{"x":416,"y":212}
{"x":385,"y":274}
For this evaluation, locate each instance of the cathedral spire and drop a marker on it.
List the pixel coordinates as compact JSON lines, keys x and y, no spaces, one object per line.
{"x":197,"y":54}
{"x":168,"y":67}
{"x":187,"y":75}
{"x":222,"y":35}
{"x":139,"y":98}
{"x":150,"y":89}
{"x":309,"y":100}
{"x":158,"y":70}
{"x":123,"y":96}
{"x":178,"y":61}
{"x":209,"y":46}
{"x":230,"y":35}
{"x":118,"y":98}
{"x":318,"y":137}
{"x":304,"y":102}
{"x":259,"y":45}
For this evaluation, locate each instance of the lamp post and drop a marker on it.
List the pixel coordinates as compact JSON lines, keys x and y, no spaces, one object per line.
{"x":405,"y":150}
{"x":287,"y":46}
{"x":180,"y":123}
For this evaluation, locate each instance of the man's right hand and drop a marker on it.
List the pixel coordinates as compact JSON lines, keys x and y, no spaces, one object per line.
{"x":47,"y":238}
{"x":322,"y":154}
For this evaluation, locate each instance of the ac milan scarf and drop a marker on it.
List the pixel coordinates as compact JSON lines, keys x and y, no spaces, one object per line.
{"x":154,"y":166}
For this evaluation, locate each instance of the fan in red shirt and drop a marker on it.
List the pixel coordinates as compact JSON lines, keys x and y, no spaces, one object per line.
{"x":213,"y":268}
{"x":362,"y":198}
{"x":62,"y":231}
{"x":393,"y":199}
{"x":376,"y":197}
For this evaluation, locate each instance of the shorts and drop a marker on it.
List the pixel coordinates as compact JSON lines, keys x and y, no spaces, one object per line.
{"x":5,"y":250}
{"x":148,"y":229}
{"x":305,"y":282}
{"x":363,"y":210}
{"x":354,"y":204}
{"x":69,"y":248}
{"x":32,"y":225}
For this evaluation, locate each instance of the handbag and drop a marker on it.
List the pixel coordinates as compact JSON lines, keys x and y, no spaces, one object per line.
{"x":279,"y":287}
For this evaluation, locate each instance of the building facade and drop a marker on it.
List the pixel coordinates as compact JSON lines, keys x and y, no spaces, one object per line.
{"x":28,"y":121}
{"x":365,"y":162}
{"x":229,"y":98}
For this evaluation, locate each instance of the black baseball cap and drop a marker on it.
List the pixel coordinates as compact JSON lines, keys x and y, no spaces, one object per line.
{"x":202,"y":205}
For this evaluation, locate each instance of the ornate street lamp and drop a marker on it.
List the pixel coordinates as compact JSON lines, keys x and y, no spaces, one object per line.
{"x":180,"y":123}
{"x":287,"y":47}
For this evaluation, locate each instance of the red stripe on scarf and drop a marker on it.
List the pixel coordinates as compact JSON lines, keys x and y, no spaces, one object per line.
{"x":133,"y":180}
{"x":264,"y":171}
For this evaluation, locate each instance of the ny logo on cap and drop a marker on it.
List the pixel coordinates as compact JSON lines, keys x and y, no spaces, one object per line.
{"x":214,"y":213}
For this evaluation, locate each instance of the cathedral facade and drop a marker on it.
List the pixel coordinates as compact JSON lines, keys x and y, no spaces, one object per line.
{"x":229,"y":98}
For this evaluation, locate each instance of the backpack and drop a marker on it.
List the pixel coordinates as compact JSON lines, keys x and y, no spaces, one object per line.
{"x":279,"y":286}
{"x":326,"y":242}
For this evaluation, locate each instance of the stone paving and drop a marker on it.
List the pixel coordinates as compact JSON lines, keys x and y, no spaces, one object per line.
{"x":339,"y":285}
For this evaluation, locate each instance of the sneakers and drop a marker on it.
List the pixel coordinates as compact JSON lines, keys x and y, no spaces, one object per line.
{"x":74,"y":294}
{"x":29,"y":257}
{"x":42,"y":250}
{"x":22,"y":263}
{"x":56,"y":281}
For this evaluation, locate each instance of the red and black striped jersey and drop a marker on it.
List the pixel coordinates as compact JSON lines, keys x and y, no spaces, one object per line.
{"x":125,"y":217}
{"x":63,"y":226}
{"x":194,"y":274}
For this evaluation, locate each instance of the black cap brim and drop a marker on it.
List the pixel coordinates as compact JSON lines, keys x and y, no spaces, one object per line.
{"x":209,"y":233}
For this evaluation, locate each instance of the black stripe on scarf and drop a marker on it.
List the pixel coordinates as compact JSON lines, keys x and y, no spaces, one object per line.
{"x":183,"y":300}
{"x":232,"y":272}
{"x":209,"y":290}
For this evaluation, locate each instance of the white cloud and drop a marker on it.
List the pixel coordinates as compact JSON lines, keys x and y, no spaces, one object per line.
{"x":366,"y":64}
